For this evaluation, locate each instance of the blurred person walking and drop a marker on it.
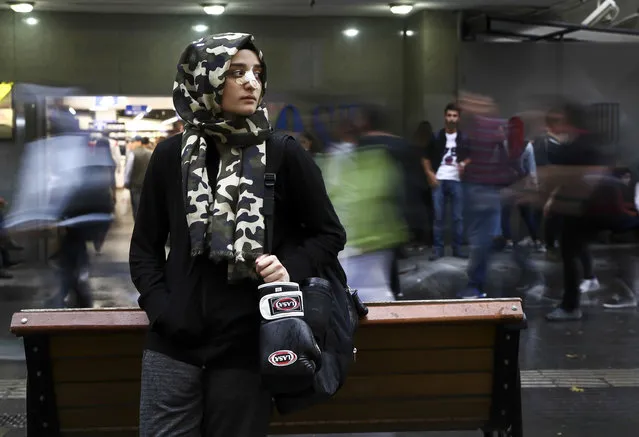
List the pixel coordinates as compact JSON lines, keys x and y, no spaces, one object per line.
{"x":102,"y":148}
{"x":136,"y":165}
{"x":526,"y":172}
{"x":488,"y":170}
{"x":581,"y":196}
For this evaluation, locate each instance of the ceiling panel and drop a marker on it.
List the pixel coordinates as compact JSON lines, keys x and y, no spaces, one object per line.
{"x":275,"y":7}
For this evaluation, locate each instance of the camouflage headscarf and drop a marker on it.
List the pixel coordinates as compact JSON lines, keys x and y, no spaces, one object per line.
{"x":228,"y":221}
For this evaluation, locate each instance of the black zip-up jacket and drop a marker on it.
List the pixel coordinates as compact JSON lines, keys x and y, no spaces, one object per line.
{"x":437,"y":148}
{"x":195,"y":316}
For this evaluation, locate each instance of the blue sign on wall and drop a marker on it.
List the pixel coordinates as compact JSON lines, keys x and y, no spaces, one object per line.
{"x":135,"y":110}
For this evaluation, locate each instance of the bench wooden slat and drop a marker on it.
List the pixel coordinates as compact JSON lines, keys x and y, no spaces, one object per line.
{"x":111,"y":417}
{"x":96,"y":344}
{"x":471,"y":408}
{"x":414,"y":337}
{"x":315,"y":428}
{"x":104,"y":432}
{"x":97,"y":369}
{"x":353,"y":427}
{"x":369,"y":337}
{"x":418,"y":385}
{"x":79,"y":394}
{"x":422,"y":361}
{"x":423,"y":312}
{"x":76,"y":394}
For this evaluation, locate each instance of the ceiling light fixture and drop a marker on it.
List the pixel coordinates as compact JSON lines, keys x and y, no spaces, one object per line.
{"x":200,"y":27}
{"x":31,"y":21}
{"x":214,"y":9}
{"x":142,"y":114}
{"x":351,"y":33}
{"x":400,"y":8}
{"x":21,"y":7}
{"x":170,"y":120}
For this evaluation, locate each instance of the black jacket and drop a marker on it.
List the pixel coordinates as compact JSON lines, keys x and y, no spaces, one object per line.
{"x":547,"y":150}
{"x":437,"y":148}
{"x":195,"y":315}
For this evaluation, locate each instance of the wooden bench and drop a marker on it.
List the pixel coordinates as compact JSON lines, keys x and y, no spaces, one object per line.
{"x":420,"y":366}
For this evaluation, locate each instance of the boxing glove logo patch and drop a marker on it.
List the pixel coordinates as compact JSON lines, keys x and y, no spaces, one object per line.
{"x":285,"y":304}
{"x":280,"y":305}
{"x":282,"y":358}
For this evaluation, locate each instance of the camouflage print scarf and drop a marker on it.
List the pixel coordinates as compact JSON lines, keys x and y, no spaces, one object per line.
{"x":227,"y":221}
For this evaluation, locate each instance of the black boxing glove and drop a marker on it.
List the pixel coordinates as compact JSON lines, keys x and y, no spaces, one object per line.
{"x":289,"y":354}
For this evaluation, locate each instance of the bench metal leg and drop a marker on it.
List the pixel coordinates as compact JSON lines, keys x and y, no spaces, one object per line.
{"x":517,"y":427}
{"x":42,"y":417}
{"x":506,"y":415}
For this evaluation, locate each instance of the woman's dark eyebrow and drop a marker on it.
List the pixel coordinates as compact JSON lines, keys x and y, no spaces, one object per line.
{"x":244,"y":65}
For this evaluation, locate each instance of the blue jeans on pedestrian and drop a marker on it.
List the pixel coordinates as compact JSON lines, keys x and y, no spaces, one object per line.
{"x":448,"y":192}
{"x":483,"y":214}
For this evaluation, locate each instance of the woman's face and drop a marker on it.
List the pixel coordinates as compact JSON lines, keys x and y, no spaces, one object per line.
{"x":243,"y":85}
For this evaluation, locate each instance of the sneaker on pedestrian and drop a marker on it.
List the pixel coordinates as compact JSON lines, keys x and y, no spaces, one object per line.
{"x":624,"y":298}
{"x":561,"y":315}
{"x":471,"y":293}
{"x":526,"y":242}
{"x":617,"y":301}
{"x":589,"y":285}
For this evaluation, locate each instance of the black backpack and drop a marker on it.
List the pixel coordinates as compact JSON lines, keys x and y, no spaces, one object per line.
{"x":338,"y":349}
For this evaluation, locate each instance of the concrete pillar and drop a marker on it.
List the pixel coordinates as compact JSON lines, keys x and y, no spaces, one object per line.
{"x":430,"y":67}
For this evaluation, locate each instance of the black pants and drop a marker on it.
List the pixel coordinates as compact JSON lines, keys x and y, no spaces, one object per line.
{"x":74,"y":271}
{"x":135,"y":200}
{"x":575,"y":237}
{"x":553,"y":224}
{"x":179,"y":399}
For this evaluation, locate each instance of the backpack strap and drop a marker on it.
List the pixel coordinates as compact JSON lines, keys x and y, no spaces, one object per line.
{"x":275,"y":146}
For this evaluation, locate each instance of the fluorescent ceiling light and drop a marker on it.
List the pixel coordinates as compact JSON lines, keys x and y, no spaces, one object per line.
{"x":214,"y":9}
{"x":141,"y":115}
{"x":31,"y":21}
{"x":200,"y":27}
{"x":410,"y":32}
{"x":170,"y":120}
{"x":21,"y":8}
{"x":351,"y":32}
{"x":400,"y":9}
